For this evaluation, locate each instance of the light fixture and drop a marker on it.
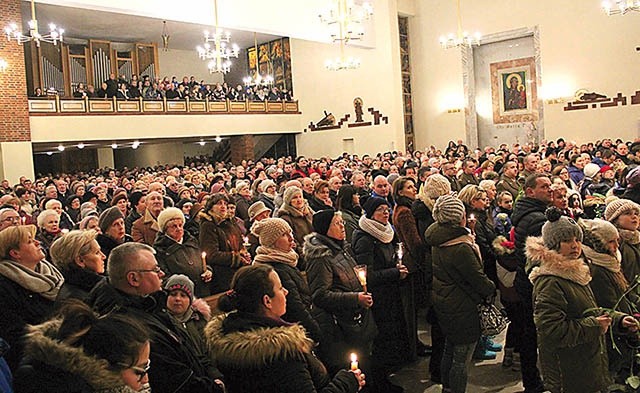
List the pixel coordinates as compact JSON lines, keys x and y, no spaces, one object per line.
{"x":3,"y":65}
{"x":54,"y":36}
{"x":114,"y":145}
{"x":342,"y":63}
{"x":218,"y":52}
{"x":60,"y":148}
{"x":202,"y":143}
{"x":620,"y":7}
{"x":135,"y":145}
{"x":165,"y":37}
{"x":462,"y":38}
{"x":258,"y":79}
{"x":345,"y":18}
{"x":218,"y":139}
{"x":49,"y":153}
{"x":80,"y":146}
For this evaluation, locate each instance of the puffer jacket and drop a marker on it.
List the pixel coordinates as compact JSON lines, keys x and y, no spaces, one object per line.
{"x":459,"y":284}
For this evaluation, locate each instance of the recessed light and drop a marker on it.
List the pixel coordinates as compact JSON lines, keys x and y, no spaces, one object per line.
{"x":60,"y":148}
{"x":202,"y":143}
{"x":114,"y":145}
{"x":80,"y":146}
{"x":218,"y":139}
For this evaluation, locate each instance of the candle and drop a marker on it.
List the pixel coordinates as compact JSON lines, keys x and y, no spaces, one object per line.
{"x":472,"y":216}
{"x":245,"y":239}
{"x":354,"y":362}
{"x":23,"y":219}
{"x":204,"y":262}
{"x":400,"y":253}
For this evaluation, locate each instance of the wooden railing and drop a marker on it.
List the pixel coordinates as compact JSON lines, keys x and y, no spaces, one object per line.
{"x":57,"y":105}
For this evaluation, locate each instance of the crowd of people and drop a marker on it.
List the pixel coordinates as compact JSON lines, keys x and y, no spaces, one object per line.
{"x":323,"y":268}
{"x":172,"y":89}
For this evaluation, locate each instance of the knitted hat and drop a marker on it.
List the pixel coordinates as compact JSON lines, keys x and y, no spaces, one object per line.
{"x":182,"y":283}
{"x":606,"y":168}
{"x":372,"y":204}
{"x":183,"y":189}
{"x":256,"y":209}
{"x":618,"y":207}
{"x":266,"y":184}
{"x":436,"y":186}
{"x":322,"y":221}
{"x":135,"y":197}
{"x":559,"y":229}
{"x":591,"y":169}
{"x":167,"y":215}
{"x":108,"y":217}
{"x":633,"y":177}
{"x":597,"y":233}
{"x":269,"y":230}
{"x":448,"y":210}
{"x":116,"y":198}
{"x":216,"y":188}
{"x":88,"y":209}
{"x":289,"y":193}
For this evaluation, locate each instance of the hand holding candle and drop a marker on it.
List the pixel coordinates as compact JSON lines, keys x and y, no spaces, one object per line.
{"x":204,"y":261}
{"x":245,"y":242}
{"x":400,"y":253}
{"x":361,"y":273}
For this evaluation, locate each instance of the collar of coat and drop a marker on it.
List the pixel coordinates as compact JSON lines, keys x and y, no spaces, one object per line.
{"x":256,"y":348}
{"x":149,"y":219}
{"x":550,"y":263}
{"x":43,"y":345}
{"x":212,"y":218}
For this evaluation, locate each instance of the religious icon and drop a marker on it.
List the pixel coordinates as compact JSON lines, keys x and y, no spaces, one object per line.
{"x":515,"y":91}
{"x":357,"y":104}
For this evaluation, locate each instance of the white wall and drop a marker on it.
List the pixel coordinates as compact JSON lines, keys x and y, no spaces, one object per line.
{"x":185,"y":63}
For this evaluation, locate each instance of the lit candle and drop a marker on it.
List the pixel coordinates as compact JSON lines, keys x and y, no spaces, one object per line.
{"x":400,"y":253}
{"x":362,"y":276}
{"x":204,"y":262}
{"x":354,"y":362}
{"x":245,"y":239}
{"x":472,"y":216}
{"x":23,"y":219}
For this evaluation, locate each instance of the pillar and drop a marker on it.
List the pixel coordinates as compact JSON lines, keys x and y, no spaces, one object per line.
{"x":242,"y":148}
{"x":105,"y":158}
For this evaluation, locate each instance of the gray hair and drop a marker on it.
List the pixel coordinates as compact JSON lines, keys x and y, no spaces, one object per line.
{"x":123,"y":259}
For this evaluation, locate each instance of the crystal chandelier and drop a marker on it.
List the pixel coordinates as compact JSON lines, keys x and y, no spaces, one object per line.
{"x":216,"y":47}
{"x":620,"y":7}
{"x":345,"y":18}
{"x":462,"y":38}
{"x":342,"y":63}
{"x":258,"y":80}
{"x":54,"y":36}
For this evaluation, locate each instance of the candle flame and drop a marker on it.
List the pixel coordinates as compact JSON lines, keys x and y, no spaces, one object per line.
{"x":204,"y":254}
{"x":354,"y":357}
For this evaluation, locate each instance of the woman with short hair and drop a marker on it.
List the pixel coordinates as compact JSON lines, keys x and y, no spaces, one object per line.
{"x":48,"y":229}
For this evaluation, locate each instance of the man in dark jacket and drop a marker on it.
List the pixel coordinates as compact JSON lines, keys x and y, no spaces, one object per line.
{"x":528,"y":218}
{"x":134,"y":288}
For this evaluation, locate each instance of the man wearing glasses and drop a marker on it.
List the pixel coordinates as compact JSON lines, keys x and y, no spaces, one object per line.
{"x":134,"y":287}
{"x":8,"y":217}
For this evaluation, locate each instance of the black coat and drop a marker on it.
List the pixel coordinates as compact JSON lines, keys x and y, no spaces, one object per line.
{"x":78,"y":283}
{"x":107,"y":244}
{"x":527,"y":218}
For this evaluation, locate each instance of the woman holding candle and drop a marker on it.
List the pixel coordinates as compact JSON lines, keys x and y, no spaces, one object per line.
{"x":177,"y":251}
{"x":258,"y":352}
{"x":296,"y":212}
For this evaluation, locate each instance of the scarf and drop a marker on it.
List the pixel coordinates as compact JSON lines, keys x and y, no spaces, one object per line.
{"x":631,"y":237}
{"x":46,"y":280}
{"x":297,"y":212}
{"x":270,"y":254}
{"x":609,"y":262}
{"x":465,"y":239}
{"x":382,"y":232}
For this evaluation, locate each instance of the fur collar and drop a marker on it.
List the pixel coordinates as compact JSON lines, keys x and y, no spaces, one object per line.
{"x":255,"y":348}
{"x":151,"y":221}
{"x":631,"y":237}
{"x":42,"y":345}
{"x":550,"y":263}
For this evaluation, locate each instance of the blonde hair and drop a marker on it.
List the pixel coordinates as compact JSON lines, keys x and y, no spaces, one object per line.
{"x":470,"y":192}
{"x":11,"y":238}
{"x":42,"y":217}
{"x":67,"y":248}
{"x":50,"y":203}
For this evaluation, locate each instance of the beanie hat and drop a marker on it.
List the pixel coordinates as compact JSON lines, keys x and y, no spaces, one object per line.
{"x":116,"y":198}
{"x":167,"y":215}
{"x":559,"y":229}
{"x":436,"y":186}
{"x":633,"y":177}
{"x":618,"y":207}
{"x":183,"y":189}
{"x":182,"y":283}
{"x":372,"y":204}
{"x":217,"y":187}
{"x":597,"y":233}
{"x":448,"y":209}
{"x":591,"y":169}
{"x":606,"y":168}
{"x":108,"y":217}
{"x":289,"y":193}
{"x":269,"y":230}
{"x":135,"y":198}
{"x":85,"y":221}
{"x":266,"y":184}
{"x":256,"y":209}
{"x":89,"y":195}
{"x":87,"y":209}
{"x":322,"y":220}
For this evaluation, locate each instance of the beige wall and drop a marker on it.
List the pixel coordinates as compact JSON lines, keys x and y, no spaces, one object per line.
{"x":185,"y":63}
{"x":14,"y":162}
{"x":150,"y":155}
{"x":580,"y":46}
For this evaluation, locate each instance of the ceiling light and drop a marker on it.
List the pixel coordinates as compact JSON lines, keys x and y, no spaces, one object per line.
{"x":620,"y":7}
{"x":202,"y":143}
{"x":218,"y":52}
{"x":114,"y":145}
{"x":80,"y":146}
{"x":345,"y":18}
{"x":218,"y":139}
{"x":135,"y":144}
{"x":55,"y":33}
{"x":49,"y":153}
{"x":60,"y":148}
{"x":461,"y":38}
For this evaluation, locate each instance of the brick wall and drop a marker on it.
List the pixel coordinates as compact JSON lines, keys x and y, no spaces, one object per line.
{"x":14,"y":114}
{"x":242,"y":148}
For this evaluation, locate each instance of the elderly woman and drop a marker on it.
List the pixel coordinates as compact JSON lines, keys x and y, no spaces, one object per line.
{"x":178,"y":252}
{"x":320,"y":199}
{"x":341,"y":306}
{"x":112,"y":226}
{"x":570,"y":337}
{"x":79,"y":352}
{"x":257,"y":351}
{"x":65,"y":221}
{"x":80,"y":260}
{"x":29,"y":286}
{"x":48,"y":229}
{"x":296,"y":212}
{"x":243,"y":200}
{"x":221,"y":240}
{"x":625,"y":215}
{"x":459,"y":285}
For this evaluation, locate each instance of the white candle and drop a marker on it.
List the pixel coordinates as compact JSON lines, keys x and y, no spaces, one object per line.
{"x":204,"y":262}
{"x":354,"y":362}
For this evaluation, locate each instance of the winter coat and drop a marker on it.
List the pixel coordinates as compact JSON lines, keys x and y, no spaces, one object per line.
{"x":407,"y":232}
{"x":424,"y":218}
{"x":575,"y":174}
{"x":131,"y":218}
{"x":52,"y":366}
{"x":630,"y":250}
{"x":316,"y":204}
{"x":466,"y":179}
{"x":222,"y":241}
{"x":20,"y":307}
{"x":46,"y":239}
{"x":510,"y":185}
{"x":78,"y":283}
{"x":178,"y":365}
{"x":459,"y":284}
{"x":268,"y":201}
{"x":572,"y":346}
{"x":301,"y":227}
{"x":242,"y":207}
{"x":632,"y":193}
{"x":182,"y":258}
{"x":145,"y":229}
{"x":485,"y":235}
{"x":350,"y":223}
{"x":107,"y":244}
{"x":258,"y":354}
{"x":5,"y":374}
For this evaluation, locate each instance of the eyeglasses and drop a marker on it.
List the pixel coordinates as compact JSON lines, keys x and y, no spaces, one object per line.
{"x":382,"y":210}
{"x":12,"y":219}
{"x":139,"y":371}
{"x":156,"y":270}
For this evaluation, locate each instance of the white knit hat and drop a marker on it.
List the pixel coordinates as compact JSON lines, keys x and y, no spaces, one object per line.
{"x":167,"y":215}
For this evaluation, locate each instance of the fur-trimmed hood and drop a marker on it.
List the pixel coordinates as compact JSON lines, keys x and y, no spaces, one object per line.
{"x":256,"y":348}
{"x":550,"y":263}
{"x":43,"y":346}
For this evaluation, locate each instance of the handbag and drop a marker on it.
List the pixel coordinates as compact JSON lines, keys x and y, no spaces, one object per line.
{"x":492,"y":321}
{"x":359,"y":328}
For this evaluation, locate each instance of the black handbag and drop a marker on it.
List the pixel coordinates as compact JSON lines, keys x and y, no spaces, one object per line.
{"x":492,"y":321}
{"x":358,"y":328}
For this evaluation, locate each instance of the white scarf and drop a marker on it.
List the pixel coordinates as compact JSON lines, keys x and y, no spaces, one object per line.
{"x":46,"y":280}
{"x":382,"y":232}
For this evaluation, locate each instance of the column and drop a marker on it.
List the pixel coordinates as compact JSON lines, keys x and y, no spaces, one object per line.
{"x":242,"y":148}
{"x":105,"y":158}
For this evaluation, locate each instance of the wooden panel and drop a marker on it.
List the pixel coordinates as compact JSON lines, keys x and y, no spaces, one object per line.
{"x":257,"y":106}
{"x":42,"y":106}
{"x":67,"y":106}
{"x":217,"y":106}
{"x":291,"y":106}
{"x":275,"y":106}
{"x":128,"y":106}
{"x":153,"y":106}
{"x":197,"y":106}
{"x":101,"y":106}
{"x":237,"y":106}
{"x":176,"y":106}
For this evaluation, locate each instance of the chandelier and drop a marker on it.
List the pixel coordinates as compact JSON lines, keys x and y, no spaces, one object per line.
{"x":54,"y":36}
{"x":258,"y":80}
{"x":216,"y":47}
{"x":345,"y":18}
{"x":462,"y":38}
{"x":165,"y":37}
{"x":342,"y":63}
{"x":620,"y":7}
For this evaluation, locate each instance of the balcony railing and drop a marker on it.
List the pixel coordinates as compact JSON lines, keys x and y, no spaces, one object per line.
{"x":62,"y":106}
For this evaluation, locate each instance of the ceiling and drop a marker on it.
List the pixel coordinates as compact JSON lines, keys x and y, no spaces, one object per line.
{"x":81,"y":23}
